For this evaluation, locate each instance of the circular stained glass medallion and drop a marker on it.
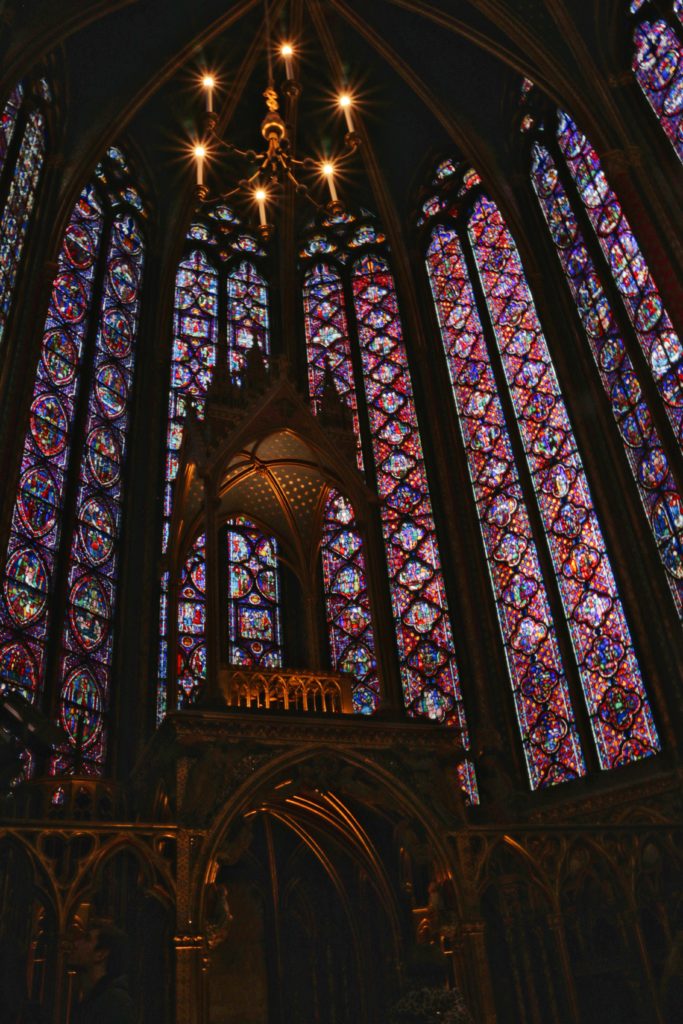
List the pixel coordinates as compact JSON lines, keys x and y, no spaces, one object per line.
{"x":127,"y":235}
{"x":111,"y":390}
{"x":123,"y":280}
{"x":25,"y":586}
{"x":89,"y":612}
{"x":69,"y":297}
{"x":60,"y":356}
{"x":97,"y":529}
{"x":48,"y":425}
{"x":78,"y":246}
{"x":104,"y":456}
{"x":17,"y":669}
{"x":81,"y":701}
{"x":36,"y":501}
{"x":117,"y":333}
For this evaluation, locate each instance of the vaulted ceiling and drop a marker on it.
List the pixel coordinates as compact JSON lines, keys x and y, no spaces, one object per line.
{"x":430,"y":76}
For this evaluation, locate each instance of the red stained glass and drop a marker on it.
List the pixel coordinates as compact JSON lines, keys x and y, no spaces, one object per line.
{"x":615,"y":695}
{"x":254,"y":630}
{"x":87,"y":643}
{"x":650,"y":467}
{"x":546,"y":718}
{"x":36,"y":521}
{"x":660,"y":343}
{"x":425,"y":642}
{"x":16,"y":215}
{"x":658,"y":67}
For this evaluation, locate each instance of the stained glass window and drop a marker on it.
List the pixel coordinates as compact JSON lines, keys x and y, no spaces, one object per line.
{"x":191,"y":655}
{"x":247,"y":317}
{"x":22,"y":174}
{"x":37,"y":517}
{"x":198,"y":325}
{"x":658,"y":67}
{"x":93,"y":565}
{"x":546,"y":719}
{"x":193,"y":358}
{"x":102,"y":292}
{"x":352,"y":644}
{"x":254,"y":629}
{"x":653,"y":328}
{"x":615,"y":695}
{"x":645,"y":452}
{"x":424,"y":637}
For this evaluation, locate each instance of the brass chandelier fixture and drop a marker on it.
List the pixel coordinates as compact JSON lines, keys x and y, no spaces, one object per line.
{"x":275,"y":165}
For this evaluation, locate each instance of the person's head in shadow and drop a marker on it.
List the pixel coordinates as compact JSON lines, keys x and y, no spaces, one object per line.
{"x":99,"y":956}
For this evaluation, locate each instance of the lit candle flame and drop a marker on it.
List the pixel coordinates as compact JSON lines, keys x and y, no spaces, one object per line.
{"x":346,"y":102}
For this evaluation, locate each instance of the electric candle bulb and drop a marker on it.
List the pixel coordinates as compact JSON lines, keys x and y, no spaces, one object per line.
{"x":328,"y":171}
{"x":287,"y":52}
{"x":345,"y":102}
{"x":209,"y":82}
{"x":200,"y":153}
{"x":260,"y":195}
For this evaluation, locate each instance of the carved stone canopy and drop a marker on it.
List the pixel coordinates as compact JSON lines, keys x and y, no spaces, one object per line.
{"x":270,"y":460}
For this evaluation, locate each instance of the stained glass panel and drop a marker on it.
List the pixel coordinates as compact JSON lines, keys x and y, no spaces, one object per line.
{"x":658,"y":67}
{"x":36,"y":519}
{"x":195,"y":334}
{"x":660,"y":343}
{"x":546,"y":718}
{"x":247,"y":317}
{"x":425,"y":641}
{"x":254,"y":629}
{"x":615,"y":695}
{"x":8,"y":120}
{"x":92,"y":572}
{"x":191,"y":654}
{"x":649,"y":464}
{"x":17,"y":212}
{"x":352,"y":641}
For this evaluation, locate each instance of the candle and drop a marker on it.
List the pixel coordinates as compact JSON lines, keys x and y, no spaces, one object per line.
{"x":208,"y":81}
{"x":287,"y":52}
{"x":328,"y":171}
{"x":200,"y":153}
{"x":345,"y":102}
{"x":260,"y":195}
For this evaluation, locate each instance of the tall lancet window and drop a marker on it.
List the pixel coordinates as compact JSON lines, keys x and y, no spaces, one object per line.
{"x":213,"y":335}
{"x":23,"y":142}
{"x":472,"y":238}
{"x":355,"y":264}
{"x":63,"y":553}
{"x":551,"y":746}
{"x":352,"y":643}
{"x":621,"y":310}
{"x":658,"y":62}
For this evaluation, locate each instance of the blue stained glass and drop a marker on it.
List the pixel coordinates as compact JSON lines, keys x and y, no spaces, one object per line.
{"x":643,"y":448}
{"x":551,"y":745}
{"x":36,"y":520}
{"x":618,"y":707}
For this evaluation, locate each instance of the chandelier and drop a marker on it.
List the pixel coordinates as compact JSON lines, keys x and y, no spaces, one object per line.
{"x":269,"y":170}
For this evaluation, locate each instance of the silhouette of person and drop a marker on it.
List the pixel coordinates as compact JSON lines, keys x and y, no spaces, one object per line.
{"x":98,"y":956}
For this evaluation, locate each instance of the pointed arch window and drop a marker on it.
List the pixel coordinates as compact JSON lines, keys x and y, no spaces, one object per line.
{"x":63,"y":560}
{"x":424,"y":638}
{"x":352,"y":642}
{"x":214,"y":336}
{"x":471,"y":246}
{"x":23,"y":144}
{"x":621,"y":311}
{"x":546,"y":718}
{"x":658,"y":64}
{"x":644,"y":449}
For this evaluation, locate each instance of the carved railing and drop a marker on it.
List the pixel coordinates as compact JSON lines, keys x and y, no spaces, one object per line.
{"x":286,"y":690}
